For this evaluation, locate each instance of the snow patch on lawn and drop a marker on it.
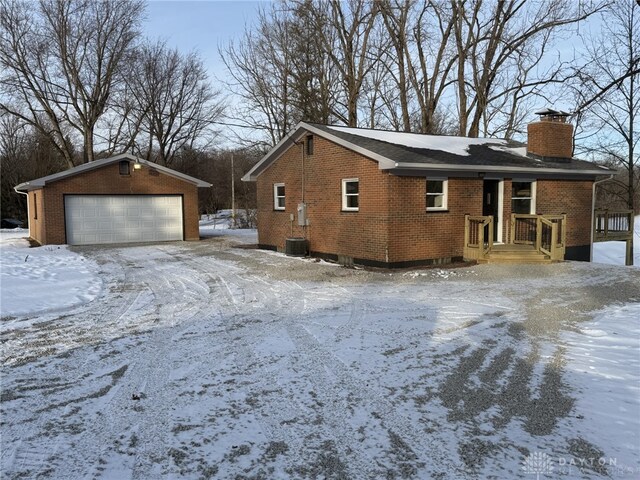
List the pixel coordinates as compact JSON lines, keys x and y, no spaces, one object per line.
{"x":221,"y":223}
{"x":43,"y":278}
{"x":614,"y":253}
{"x":603,"y":362}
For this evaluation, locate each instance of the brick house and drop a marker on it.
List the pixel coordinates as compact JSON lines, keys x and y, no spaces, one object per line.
{"x":122,"y":199}
{"x":395,"y":199}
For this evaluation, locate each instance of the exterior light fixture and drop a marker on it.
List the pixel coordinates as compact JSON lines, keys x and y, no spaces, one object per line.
{"x":137,"y":166}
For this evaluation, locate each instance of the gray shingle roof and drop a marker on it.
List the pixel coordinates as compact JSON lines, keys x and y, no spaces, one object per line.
{"x":401,"y":153}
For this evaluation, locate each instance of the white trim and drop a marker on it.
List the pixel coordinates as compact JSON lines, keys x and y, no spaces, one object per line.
{"x":276,"y":197}
{"x":444,"y":194}
{"x":500,"y":219}
{"x":534,"y":189}
{"x":531,"y":198}
{"x":345,"y":208}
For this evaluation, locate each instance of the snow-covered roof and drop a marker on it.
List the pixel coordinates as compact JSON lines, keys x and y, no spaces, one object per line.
{"x":445,"y":143}
{"x":41,"y":182}
{"x":418,"y":154}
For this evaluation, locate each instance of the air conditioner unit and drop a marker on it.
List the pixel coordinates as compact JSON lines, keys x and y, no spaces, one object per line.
{"x":296,"y":247}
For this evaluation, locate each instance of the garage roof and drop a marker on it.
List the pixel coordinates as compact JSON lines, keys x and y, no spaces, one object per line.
{"x":402,"y":153}
{"x":41,"y":182}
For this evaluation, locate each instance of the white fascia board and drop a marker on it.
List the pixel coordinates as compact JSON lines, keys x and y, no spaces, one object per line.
{"x":272,"y":155}
{"x":384,"y":162}
{"x":173,"y":173}
{"x":495,"y":168}
{"x":291,"y":137}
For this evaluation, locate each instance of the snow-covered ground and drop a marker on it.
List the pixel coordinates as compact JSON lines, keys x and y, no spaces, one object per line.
{"x":613,"y":253}
{"x":38,"y":279}
{"x":213,"y":360}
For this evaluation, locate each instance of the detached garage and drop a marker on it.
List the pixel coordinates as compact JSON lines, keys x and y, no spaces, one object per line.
{"x":121,"y":199}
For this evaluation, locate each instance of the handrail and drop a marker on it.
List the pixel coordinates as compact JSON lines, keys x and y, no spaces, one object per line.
{"x":476,"y":244}
{"x":546,"y":233}
{"x":617,"y":225}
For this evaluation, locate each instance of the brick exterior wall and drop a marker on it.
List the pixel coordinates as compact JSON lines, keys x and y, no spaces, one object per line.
{"x":361,"y":234}
{"x":49,"y":227}
{"x":392,"y":226}
{"x":550,"y":139}
{"x":555,"y":197}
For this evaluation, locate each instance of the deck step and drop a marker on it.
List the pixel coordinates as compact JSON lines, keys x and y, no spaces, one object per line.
{"x":514,"y":254}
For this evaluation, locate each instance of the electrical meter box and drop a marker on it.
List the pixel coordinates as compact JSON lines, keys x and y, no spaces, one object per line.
{"x":302,"y":214}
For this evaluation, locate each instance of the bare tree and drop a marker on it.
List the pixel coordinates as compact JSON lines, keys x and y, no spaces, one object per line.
{"x":346,"y":43}
{"x":25,"y":154}
{"x":280,"y":70}
{"x":61,"y":60}
{"x":489,"y":35}
{"x":260,"y":66}
{"x":608,"y":96}
{"x":424,"y":56}
{"x":177,"y":105}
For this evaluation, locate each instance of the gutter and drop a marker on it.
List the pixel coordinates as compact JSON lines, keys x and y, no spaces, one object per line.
{"x":593,"y":211}
{"x":26,"y":194}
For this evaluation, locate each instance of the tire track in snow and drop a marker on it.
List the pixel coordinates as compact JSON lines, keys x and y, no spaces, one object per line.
{"x":149,"y":378}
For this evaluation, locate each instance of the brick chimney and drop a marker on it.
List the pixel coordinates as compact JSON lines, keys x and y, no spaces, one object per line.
{"x":551,"y":138}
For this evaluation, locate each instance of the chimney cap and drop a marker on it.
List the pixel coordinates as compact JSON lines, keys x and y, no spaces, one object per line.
{"x":548,"y":112}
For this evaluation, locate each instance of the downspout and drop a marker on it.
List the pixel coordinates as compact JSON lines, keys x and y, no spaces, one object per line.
{"x":28,"y":208}
{"x":304,"y":227}
{"x":593,"y":211}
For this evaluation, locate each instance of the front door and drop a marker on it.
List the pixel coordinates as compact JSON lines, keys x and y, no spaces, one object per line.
{"x":490,"y":205}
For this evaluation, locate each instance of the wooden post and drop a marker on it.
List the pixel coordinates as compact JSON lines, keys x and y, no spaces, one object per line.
{"x":513,"y":229}
{"x":481,"y":240}
{"x":554,"y":241}
{"x":628,"y":259}
{"x":490,"y":231}
{"x":466,"y":230}
{"x":538,"y":233}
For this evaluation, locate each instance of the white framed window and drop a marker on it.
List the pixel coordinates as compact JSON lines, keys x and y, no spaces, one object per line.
{"x":523,"y":196}
{"x":350,"y":194}
{"x":437,"y":194}
{"x":278,"y":196}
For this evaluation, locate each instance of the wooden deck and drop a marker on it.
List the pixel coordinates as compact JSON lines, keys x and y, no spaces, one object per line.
{"x":532,"y":239}
{"x":615,"y":226}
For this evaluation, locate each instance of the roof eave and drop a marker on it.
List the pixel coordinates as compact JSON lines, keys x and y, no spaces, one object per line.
{"x":41,"y":182}
{"x":497,"y":169}
{"x":289,"y":139}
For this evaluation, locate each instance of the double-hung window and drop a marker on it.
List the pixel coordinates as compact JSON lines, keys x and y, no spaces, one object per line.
{"x":278,"y":196}
{"x":523,"y":197}
{"x":436,"y":194}
{"x":350,"y":194}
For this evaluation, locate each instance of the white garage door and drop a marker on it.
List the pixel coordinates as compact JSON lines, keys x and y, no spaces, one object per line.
{"x":92,"y":219}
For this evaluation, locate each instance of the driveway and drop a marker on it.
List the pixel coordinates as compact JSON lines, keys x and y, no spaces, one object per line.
{"x":209,"y":360}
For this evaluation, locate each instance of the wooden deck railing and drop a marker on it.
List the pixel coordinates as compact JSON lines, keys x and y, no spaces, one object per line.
{"x":547,"y":233}
{"x":478,"y":236}
{"x":612,"y":225}
{"x":615,"y":226}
